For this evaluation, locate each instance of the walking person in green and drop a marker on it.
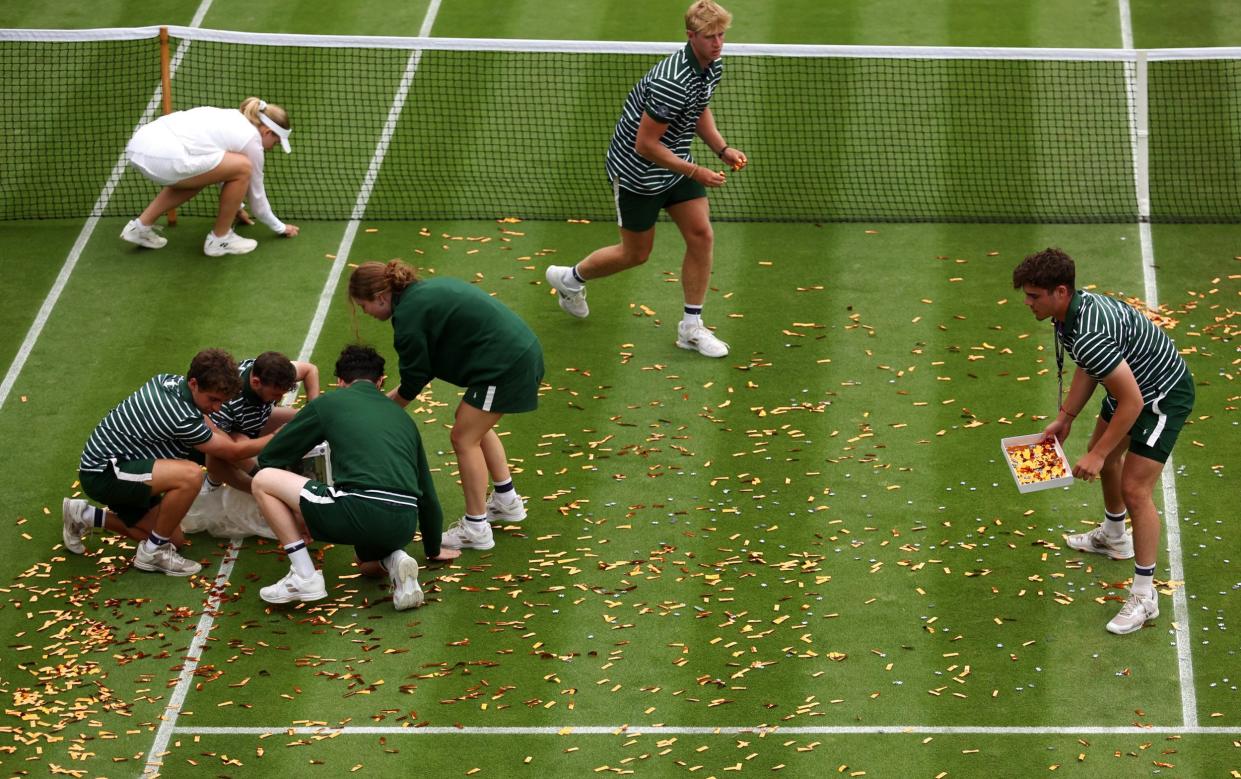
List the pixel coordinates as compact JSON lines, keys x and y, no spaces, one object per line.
{"x":447,"y":329}
{"x":383,"y":489}
{"x":1150,"y":394}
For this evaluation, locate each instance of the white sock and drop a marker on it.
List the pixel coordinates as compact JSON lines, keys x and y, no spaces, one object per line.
{"x":1143,"y":581}
{"x":1113,"y":525}
{"x":299,"y":558}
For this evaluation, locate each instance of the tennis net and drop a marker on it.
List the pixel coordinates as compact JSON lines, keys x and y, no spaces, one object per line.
{"x":437,"y":128}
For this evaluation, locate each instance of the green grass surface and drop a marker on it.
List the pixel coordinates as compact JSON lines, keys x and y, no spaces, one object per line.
{"x":817,"y":531}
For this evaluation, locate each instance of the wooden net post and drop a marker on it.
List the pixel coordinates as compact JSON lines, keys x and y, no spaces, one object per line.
{"x":165,"y":68}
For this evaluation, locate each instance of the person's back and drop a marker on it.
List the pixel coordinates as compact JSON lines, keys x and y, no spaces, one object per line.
{"x":206,"y":129}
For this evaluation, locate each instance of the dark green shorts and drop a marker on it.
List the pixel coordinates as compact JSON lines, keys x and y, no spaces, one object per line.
{"x":638,"y":213}
{"x":125,"y":488}
{"x":514,"y":392}
{"x":1154,"y":433}
{"x":374,"y":522}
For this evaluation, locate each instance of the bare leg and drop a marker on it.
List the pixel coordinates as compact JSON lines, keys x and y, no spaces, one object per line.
{"x":468,"y":431}
{"x":278,"y":494}
{"x":1140,"y":475}
{"x":497,"y":460}
{"x":693,"y":218}
{"x":179,"y":482}
{"x":236,"y":475}
{"x":233,"y":176}
{"x":633,"y":250}
{"x":1110,"y":477}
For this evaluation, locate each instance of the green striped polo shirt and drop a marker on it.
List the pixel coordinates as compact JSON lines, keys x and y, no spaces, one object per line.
{"x":158,"y":422}
{"x":1100,"y":331}
{"x":674,"y":92}
{"x":450,"y":330}
{"x":246,"y":412}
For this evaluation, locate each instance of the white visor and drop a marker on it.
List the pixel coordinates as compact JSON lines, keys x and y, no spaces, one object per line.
{"x":280,"y":132}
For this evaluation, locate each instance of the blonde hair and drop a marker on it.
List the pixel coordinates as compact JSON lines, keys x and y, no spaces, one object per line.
{"x":250,"y":110}
{"x":707,"y":17}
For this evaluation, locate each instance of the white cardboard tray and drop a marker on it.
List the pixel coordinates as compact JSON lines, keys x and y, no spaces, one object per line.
{"x":1027,"y":440}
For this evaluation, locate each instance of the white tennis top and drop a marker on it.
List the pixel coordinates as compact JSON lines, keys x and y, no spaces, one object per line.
{"x":207,"y":130}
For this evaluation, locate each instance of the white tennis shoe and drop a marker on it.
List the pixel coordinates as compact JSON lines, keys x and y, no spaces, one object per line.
{"x":75,"y":514}
{"x":572,"y":298}
{"x":505,"y":511}
{"x":696,"y":337}
{"x":165,"y":560}
{"x":406,"y":592}
{"x":293,"y":587}
{"x":137,"y":233}
{"x":1097,"y":541}
{"x":468,"y":535}
{"x":232,"y":243}
{"x":1137,"y":611}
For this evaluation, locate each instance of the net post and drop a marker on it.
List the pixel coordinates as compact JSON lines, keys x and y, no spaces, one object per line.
{"x":165,"y":72}
{"x":1141,"y":152}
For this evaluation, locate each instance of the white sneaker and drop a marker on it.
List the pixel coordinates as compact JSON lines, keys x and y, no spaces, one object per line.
{"x":76,"y":516}
{"x":228,"y":244}
{"x":293,"y":587}
{"x":208,"y":487}
{"x":572,"y":299}
{"x":1097,"y":542}
{"x":468,"y":535}
{"x":406,"y":592}
{"x":165,"y":560}
{"x":699,"y":338}
{"x":137,"y":232}
{"x":499,"y":510}
{"x":1137,"y":611}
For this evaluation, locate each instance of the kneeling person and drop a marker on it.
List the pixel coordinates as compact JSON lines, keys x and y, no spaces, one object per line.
{"x":383,"y":488}
{"x":253,"y":412}
{"x":144,"y":462}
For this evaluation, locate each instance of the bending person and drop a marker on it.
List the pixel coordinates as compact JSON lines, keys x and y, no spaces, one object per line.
{"x":450,"y":330}
{"x":144,"y":462}
{"x":383,"y":490}
{"x":253,"y":411}
{"x":186,"y":151}
{"x":1150,"y":394}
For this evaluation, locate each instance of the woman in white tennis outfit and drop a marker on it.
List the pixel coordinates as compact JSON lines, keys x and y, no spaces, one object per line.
{"x":186,"y":151}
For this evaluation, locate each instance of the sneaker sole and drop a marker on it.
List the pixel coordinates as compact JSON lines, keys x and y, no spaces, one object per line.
{"x":469,"y":545}
{"x":305,"y":598}
{"x":408,"y":569}
{"x":225,"y":252}
{"x":1134,"y":629}
{"x":693,"y":348}
{"x":566,"y":307}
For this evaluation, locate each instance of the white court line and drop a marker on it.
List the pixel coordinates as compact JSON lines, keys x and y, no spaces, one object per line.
{"x":1139,"y":134}
{"x":630,"y":730}
{"x":168,"y":723}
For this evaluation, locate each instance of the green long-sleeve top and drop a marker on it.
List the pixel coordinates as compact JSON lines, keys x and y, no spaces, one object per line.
{"x":450,"y":330}
{"x":374,"y":445}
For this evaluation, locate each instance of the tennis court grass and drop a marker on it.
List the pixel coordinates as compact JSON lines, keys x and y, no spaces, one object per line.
{"x":816,"y":532}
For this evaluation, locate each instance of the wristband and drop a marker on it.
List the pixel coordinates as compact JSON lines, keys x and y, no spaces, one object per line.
{"x":1070,"y":413}
{"x":720,"y":153}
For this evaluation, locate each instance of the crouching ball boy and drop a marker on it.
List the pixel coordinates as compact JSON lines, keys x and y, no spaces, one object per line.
{"x":383,"y":490}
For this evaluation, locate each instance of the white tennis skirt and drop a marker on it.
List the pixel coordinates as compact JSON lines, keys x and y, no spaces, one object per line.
{"x":158,"y":154}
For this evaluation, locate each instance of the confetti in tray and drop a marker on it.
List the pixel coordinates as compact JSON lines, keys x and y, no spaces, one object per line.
{"x":1036,"y":463}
